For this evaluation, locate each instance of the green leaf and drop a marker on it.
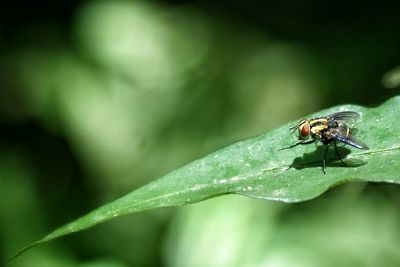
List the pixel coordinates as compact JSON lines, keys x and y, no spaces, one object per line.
{"x":254,"y":167}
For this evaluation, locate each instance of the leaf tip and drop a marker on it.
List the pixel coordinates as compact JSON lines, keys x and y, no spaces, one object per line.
{"x":19,"y":253}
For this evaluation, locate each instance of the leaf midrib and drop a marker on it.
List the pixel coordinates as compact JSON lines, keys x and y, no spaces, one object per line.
{"x":238,"y":178}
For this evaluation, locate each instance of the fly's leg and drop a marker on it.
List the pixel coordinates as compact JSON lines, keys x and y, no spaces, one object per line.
{"x":337,"y":154}
{"x":324,"y":159}
{"x":299,"y":143}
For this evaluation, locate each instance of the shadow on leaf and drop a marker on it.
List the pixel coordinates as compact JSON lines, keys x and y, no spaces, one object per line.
{"x":314,"y":159}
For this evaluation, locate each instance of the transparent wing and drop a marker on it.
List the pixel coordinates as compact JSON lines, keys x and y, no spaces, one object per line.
{"x":347,"y":117}
{"x":344,"y":135}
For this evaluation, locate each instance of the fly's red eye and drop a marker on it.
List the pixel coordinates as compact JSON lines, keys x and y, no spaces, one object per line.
{"x":304,"y":129}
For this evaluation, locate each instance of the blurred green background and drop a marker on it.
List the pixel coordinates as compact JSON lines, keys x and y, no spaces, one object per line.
{"x":100,"y":97}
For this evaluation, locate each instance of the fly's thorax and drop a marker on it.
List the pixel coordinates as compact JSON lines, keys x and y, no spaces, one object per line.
{"x":317,"y":127}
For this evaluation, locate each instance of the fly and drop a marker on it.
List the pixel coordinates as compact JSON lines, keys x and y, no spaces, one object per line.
{"x":329,"y":129}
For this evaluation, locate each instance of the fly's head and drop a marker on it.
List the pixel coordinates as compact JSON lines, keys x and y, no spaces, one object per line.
{"x":303,"y":128}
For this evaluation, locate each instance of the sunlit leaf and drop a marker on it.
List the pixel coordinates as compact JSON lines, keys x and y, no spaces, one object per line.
{"x":254,"y":167}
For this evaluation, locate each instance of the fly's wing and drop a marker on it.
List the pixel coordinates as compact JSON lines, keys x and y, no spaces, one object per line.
{"x":347,"y":117}
{"x":343,"y":134}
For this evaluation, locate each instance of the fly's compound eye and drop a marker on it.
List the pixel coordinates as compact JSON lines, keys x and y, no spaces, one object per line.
{"x":304,"y":130}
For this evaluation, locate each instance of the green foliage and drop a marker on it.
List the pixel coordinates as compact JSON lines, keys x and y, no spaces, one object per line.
{"x":254,"y":167}
{"x":335,"y":229}
{"x":392,"y":79}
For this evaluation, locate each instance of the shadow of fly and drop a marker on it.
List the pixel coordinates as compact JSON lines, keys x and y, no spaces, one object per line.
{"x":333,"y":128}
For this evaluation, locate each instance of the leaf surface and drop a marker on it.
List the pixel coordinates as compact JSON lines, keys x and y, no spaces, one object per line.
{"x":254,"y":167}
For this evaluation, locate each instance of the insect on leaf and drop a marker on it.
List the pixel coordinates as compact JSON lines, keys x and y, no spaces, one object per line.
{"x":254,"y":167}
